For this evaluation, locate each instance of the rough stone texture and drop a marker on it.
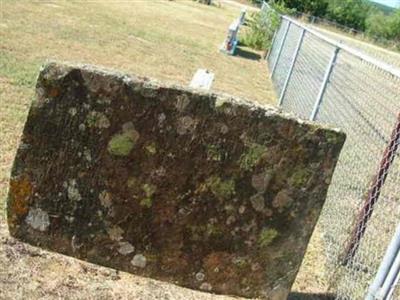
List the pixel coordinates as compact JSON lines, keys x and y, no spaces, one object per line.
{"x":203,"y":190}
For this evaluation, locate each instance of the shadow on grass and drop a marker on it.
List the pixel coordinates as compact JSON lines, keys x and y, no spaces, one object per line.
{"x":305,"y":296}
{"x":247,"y":54}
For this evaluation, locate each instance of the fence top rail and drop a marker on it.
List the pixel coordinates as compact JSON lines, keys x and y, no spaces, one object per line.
{"x":380,"y":64}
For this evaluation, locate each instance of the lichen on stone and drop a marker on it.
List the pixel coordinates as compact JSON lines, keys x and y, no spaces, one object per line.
{"x":105,"y":199}
{"x":72,"y":111}
{"x":266,"y":236}
{"x":73,"y":191}
{"x":38,"y":219}
{"x":97,"y":119}
{"x":261,"y":181}
{"x":115,"y":232}
{"x":333,"y":137}
{"x":213,"y":153}
{"x":223,"y":189}
{"x":146,"y":202}
{"x":182,"y":102}
{"x":131,"y":182}
{"x":252,"y":156}
{"x":224,"y":129}
{"x":214,"y":230}
{"x":200,"y":276}
{"x":205,"y":286}
{"x":300,"y":177}
{"x":149,"y":191}
{"x":20,"y":191}
{"x":258,"y":203}
{"x":282,"y":200}
{"x":121,"y":144}
{"x":151,"y":148}
{"x":139,"y":261}
{"x":87,"y":155}
{"x":185,"y":125}
{"x":125,"y":248}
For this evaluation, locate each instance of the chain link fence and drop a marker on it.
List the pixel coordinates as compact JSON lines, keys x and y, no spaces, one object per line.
{"x":320,"y":79}
{"x":374,"y":45}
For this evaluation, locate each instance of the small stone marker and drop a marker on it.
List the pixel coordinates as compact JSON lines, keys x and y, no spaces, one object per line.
{"x":202,"y":79}
{"x":202,"y":190}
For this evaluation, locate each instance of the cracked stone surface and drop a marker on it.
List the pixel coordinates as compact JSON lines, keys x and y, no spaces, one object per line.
{"x":207,"y":191}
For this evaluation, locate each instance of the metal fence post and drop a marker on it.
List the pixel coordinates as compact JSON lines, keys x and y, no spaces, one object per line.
{"x":272,"y":44}
{"x":373,"y":194}
{"x":324,"y":84}
{"x":280,"y":48}
{"x":296,"y":53}
{"x":378,"y":288}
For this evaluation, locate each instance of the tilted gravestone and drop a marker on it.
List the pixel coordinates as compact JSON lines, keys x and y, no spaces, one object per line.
{"x":202,"y":190}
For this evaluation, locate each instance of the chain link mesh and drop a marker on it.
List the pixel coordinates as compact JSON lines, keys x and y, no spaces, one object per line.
{"x":284,"y":59}
{"x":362,"y":100}
{"x":278,"y":40}
{"x":307,"y":78}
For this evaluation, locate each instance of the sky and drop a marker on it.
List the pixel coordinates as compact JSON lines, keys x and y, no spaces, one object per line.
{"x":393,"y":3}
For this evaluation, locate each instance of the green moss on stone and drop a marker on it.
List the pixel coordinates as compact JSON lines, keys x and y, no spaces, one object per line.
{"x":146,"y":202}
{"x":221,"y":188}
{"x":214,"y":230}
{"x":149,"y":191}
{"x":131,"y":182}
{"x":333,"y":137}
{"x":252,"y":156}
{"x":267,"y":235}
{"x":97,"y":119}
{"x":213,"y":153}
{"x":151,"y":148}
{"x":300,"y":177}
{"x":121,"y":144}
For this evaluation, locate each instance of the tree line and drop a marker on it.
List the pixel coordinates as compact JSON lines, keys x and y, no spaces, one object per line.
{"x":377,"y":21}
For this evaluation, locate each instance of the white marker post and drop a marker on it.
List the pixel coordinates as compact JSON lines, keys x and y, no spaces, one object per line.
{"x":202,"y":79}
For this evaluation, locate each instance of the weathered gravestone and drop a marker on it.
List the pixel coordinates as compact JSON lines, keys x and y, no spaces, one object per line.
{"x":202,"y":190}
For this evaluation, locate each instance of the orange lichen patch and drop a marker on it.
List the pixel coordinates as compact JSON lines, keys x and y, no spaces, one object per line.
{"x":54,"y":92}
{"x":219,"y":266}
{"x":216,"y":259}
{"x":20,"y":191}
{"x":220,"y":270}
{"x":174,"y":262}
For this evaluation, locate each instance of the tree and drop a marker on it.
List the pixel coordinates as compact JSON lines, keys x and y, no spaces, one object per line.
{"x":381,"y":26}
{"x":377,"y":25}
{"x":312,"y":7}
{"x":351,"y":13}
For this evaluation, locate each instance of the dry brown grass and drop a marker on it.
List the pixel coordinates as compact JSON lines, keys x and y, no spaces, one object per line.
{"x":167,"y":40}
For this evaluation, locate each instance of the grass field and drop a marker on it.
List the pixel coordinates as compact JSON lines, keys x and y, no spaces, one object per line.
{"x":167,"y":40}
